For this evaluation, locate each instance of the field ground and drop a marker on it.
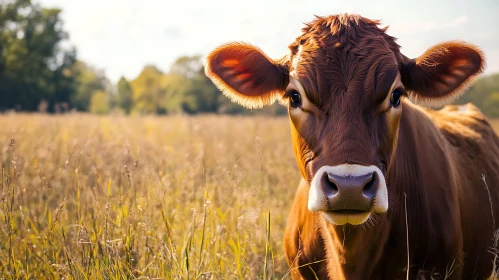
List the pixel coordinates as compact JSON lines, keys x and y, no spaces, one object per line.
{"x":113,"y":197}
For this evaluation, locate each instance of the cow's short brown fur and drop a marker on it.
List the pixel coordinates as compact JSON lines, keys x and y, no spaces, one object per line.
{"x":433,"y":161}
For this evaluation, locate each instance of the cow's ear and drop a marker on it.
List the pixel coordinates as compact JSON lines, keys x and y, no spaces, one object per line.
{"x":442,"y":73}
{"x":246,"y":75}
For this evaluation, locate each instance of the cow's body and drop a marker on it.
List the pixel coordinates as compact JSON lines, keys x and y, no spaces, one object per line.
{"x":440,"y":159}
{"x":380,"y":173}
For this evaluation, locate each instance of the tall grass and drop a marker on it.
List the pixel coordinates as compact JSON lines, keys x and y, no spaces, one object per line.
{"x":90,"y":197}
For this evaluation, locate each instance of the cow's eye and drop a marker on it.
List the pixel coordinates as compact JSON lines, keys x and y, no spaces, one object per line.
{"x":294,"y":98}
{"x":395,"y":98}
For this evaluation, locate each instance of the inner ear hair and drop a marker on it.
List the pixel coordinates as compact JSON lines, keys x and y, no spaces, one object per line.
{"x":246,"y":75}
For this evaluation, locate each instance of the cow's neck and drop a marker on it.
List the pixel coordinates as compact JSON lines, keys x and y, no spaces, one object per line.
{"x":355,"y":250}
{"x":365,"y":245}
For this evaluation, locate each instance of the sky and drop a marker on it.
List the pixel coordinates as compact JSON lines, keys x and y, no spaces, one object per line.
{"x":121,"y":36}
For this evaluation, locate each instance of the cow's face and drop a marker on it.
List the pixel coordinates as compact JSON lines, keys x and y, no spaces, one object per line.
{"x":344,"y":82}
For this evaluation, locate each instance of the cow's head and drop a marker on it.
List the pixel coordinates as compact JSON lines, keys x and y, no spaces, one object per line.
{"x":344,"y":81}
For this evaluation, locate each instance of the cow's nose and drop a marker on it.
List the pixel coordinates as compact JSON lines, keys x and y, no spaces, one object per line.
{"x":349,"y":193}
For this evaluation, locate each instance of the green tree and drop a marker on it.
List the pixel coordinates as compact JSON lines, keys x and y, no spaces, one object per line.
{"x":33,"y":64}
{"x":187,"y":66}
{"x":493,"y":105}
{"x":147,"y":91}
{"x":99,"y":103}
{"x":124,"y":95}
{"x":199,"y":93}
{"x":172,"y":96}
{"x":88,"y":81}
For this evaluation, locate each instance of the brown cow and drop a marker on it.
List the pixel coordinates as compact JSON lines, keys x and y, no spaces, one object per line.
{"x":412,"y":177}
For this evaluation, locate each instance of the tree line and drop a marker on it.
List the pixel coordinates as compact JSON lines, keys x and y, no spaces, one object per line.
{"x":183,"y":89}
{"x":38,"y":72}
{"x":484,"y":93}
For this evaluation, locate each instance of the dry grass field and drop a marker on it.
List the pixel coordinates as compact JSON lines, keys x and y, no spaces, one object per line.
{"x":90,"y":197}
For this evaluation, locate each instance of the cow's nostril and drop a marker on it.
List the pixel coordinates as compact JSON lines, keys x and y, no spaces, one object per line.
{"x":370,"y":189}
{"x":369,"y":184}
{"x":329,"y":185}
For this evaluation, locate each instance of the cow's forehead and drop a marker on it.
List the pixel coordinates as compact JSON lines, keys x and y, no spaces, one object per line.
{"x":326,"y":36}
{"x":341,"y":54}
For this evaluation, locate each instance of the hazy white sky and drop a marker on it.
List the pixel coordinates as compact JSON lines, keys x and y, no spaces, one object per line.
{"x":121,"y":36}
